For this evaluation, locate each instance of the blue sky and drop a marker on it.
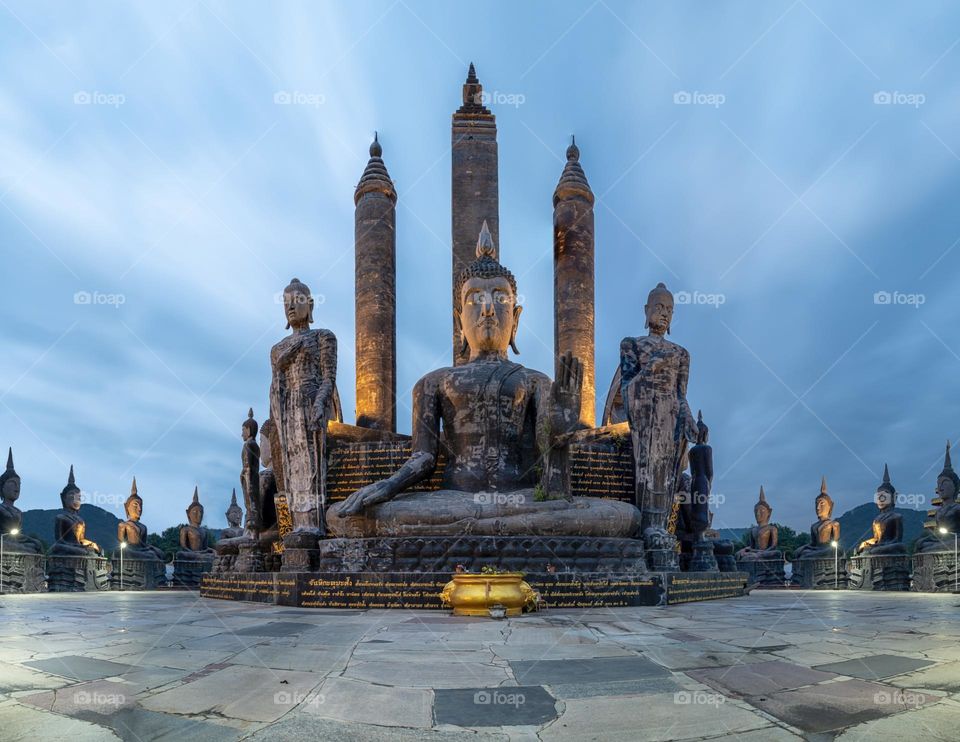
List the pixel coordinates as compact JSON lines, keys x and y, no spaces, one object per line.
{"x":779,"y":163}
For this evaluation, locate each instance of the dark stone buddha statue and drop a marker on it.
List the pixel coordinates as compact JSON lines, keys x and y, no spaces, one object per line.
{"x":825,"y":532}
{"x":761,"y":538}
{"x":69,"y":527}
{"x":504,"y":430}
{"x":234,"y":516}
{"x":133,"y":533}
{"x":193,"y":536}
{"x":11,"y":517}
{"x":250,"y":476}
{"x":887,"y":536}
{"x":947,"y":516}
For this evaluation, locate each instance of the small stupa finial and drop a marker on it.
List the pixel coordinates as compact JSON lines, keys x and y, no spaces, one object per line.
{"x":70,"y":477}
{"x":375,"y":149}
{"x":133,"y":487}
{"x":233,"y":497}
{"x":472,"y":75}
{"x":10,"y":458}
{"x":823,"y":483}
{"x":485,"y":246}
{"x":573,"y":151}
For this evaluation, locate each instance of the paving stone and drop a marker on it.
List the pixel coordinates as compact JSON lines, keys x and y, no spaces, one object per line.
{"x":875,"y":667}
{"x":26,"y":724}
{"x":304,"y":726}
{"x":645,"y":686}
{"x":427,"y":674}
{"x":689,"y":658}
{"x":279,"y":657}
{"x":558,"y":652}
{"x":945,"y":677}
{"x":76,"y":667}
{"x":759,"y":678}
{"x":348,"y":700}
{"x":833,"y":706}
{"x":935,"y":722}
{"x":276,"y":628}
{"x":653,"y":718}
{"x":248,"y":693}
{"x":98,"y":697}
{"x":16,"y":678}
{"x":492,"y":707}
{"x":138,"y":725}
{"x":579,"y":671}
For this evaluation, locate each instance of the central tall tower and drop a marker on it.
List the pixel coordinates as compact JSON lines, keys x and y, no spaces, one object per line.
{"x":475,"y":192}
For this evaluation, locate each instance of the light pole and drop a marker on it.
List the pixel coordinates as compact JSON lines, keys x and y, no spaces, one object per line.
{"x":123,"y":545}
{"x":13,"y":532}
{"x":836,"y":564}
{"x":944,"y":531}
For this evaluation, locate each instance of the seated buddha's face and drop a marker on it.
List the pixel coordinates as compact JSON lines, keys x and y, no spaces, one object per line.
{"x":489,"y":313}
{"x":824,"y":508}
{"x":195,"y":515}
{"x":72,"y":500}
{"x":946,"y":489}
{"x":883,"y":499}
{"x":134,"y":510}
{"x":11,"y":489}
{"x":762,"y":514}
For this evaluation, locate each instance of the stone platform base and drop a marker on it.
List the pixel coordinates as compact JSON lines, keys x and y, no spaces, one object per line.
{"x":138,"y":574}
{"x":891,"y":572}
{"x":511,"y":553}
{"x":819,"y":574}
{"x":422,"y":590}
{"x":23,"y":573}
{"x":935,"y":572}
{"x":187,"y":573}
{"x":764,"y":573}
{"x":77,"y":574}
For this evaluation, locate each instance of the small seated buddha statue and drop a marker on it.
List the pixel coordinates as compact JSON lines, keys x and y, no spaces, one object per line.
{"x":133,"y":533}
{"x":505,"y":429}
{"x":761,"y":538}
{"x":948,"y":513}
{"x":887,"y":526}
{"x":234,"y":517}
{"x":193,"y":536}
{"x":825,"y":532}
{"x":69,"y":527}
{"x":11,"y":517}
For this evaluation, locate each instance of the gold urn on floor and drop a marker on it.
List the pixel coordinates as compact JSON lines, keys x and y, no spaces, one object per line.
{"x":476,"y":594}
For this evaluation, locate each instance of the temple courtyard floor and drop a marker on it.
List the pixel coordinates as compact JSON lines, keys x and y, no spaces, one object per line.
{"x":771,"y":666}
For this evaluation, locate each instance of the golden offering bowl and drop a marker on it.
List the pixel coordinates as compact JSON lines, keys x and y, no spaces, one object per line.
{"x":474,"y":594}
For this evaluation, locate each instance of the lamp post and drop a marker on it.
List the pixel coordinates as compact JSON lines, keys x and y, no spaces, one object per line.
{"x":123,"y":545}
{"x":836,"y":564}
{"x":944,"y":531}
{"x":13,"y":532}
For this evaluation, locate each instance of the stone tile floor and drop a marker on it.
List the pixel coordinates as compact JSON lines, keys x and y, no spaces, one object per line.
{"x":771,"y":666}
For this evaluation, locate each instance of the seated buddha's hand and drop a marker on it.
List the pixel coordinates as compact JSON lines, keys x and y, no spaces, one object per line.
{"x":356,"y":502}
{"x":565,"y":393}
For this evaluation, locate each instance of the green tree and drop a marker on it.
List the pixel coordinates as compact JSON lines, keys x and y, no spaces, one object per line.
{"x":168,"y":541}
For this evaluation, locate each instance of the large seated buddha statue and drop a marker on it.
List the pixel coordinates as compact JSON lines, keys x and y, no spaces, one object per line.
{"x":825,"y":532}
{"x":11,"y":517}
{"x":948,"y":513}
{"x":503,"y":429}
{"x":887,"y":527}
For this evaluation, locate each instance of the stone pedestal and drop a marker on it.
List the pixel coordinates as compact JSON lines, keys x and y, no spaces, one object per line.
{"x":23,"y":573}
{"x":138,"y":574}
{"x":888,"y":572}
{"x":820,"y":574}
{"x":702,"y":558}
{"x":77,"y":574}
{"x":764,"y":573}
{"x":187,"y":572}
{"x":935,"y":572}
{"x":723,"y":553}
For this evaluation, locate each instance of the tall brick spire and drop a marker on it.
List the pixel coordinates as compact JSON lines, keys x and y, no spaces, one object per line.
{"x":573,"y":276}
{"x":375,"y":246}
{"x":475,"y":190}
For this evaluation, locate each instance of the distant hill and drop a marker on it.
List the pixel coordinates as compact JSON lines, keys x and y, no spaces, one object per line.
{"x":101,"y":525}
{"x":855,"y":524}
{"x":732,"y":534}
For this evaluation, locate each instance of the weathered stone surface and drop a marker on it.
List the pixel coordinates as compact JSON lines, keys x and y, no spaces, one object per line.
{"x":884,"y":572}
{"x":23,"y":572}
{"x":935,"y":572}
{"x":77,"y":574}
{"x":78,"y":667}
{"x":875,"y":667}
{"x":343,"y":699}
{"x":495,"y":706}
{"x":829,"y":573}
{"x":760,"y":678}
